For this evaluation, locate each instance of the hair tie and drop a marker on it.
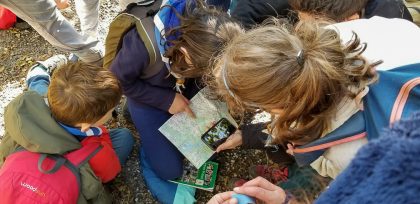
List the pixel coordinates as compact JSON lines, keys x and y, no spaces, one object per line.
{"x":300,"y":58}
{"x":224,"y":80}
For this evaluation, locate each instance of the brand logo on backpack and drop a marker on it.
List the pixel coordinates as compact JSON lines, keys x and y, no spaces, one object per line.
{"x":33,"y":189}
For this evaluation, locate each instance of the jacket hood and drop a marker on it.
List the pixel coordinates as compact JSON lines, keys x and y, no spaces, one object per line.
{"x":29,"y":123}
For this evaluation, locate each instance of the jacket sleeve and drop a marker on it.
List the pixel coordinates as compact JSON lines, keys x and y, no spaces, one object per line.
{"x":129,"y":64}
{"x":92,"y":190}
{"x":253,"y":136}
{"x":7,"y":146}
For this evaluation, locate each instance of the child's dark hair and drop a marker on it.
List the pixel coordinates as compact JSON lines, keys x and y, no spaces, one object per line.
{"x":82,"y":93}
{"x":337,"y":10}
{"x":203,"y":33}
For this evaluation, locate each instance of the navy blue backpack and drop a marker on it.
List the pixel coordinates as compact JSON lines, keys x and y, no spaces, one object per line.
{"x":395,"y":96}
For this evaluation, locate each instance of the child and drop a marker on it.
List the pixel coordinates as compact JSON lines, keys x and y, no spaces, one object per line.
{"x":195,"y":37}
{"x":339,"y":11}
{"x":366,"y":180}
{"x":203,"y":32}
{"x":314,"y":83}
{"x":80,"y":100}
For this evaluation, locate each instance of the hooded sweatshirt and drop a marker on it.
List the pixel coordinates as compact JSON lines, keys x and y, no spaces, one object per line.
{"x":29,"y":123}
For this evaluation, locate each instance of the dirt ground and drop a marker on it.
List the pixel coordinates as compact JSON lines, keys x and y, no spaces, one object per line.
{"x":21,"y":47}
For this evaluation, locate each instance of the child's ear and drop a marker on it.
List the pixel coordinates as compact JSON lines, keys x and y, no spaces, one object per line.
{"x":353,"y":17}
{"x":84,"y":127}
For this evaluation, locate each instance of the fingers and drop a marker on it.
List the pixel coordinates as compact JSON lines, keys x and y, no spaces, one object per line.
{"x":232,"y":142}
{"x":224,"y":146}
{"x":290,"y":149}
{"x":233,"y":201}
{"x":261,"y":182}
{"x":253,"y":191}
{"x":262,"y":189}
{"x":221,"y":198}
{"x":189,"y":111}
{"x":185,"y":100}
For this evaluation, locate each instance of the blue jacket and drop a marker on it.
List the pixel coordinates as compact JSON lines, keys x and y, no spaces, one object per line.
{"x":386,"y":170}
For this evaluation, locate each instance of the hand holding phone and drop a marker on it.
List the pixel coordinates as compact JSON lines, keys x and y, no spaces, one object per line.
{"x":218,"y":133}
{"x":233,"y":141}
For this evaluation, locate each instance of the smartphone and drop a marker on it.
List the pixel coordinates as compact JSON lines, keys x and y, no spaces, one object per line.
{"x":218,"y":134}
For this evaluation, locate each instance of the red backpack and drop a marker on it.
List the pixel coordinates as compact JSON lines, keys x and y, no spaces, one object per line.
{"x":28,"y":177}
{"x":7,"y":18}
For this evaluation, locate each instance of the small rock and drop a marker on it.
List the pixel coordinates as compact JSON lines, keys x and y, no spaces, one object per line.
{"x":2,"y":69}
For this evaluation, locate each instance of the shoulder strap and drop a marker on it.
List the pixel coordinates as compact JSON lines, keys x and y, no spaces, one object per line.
{"x":84,"y":154}
{"x":139,"y":16}
{"x":353,"y":129}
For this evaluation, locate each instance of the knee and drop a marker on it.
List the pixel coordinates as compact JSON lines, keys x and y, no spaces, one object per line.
{"x":123,"y":135}
{"x":170,"y":173}
{"x":128,"y":136}
{"x":165,"y":168}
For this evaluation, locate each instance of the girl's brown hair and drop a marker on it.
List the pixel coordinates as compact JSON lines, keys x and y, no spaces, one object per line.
{"x":337,"y":10}
{"x":304,"y":71}
{"x":204,"y":31}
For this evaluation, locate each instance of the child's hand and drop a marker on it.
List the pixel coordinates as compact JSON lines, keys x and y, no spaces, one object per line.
{"x":262,"y":190}
{"x":221,"y":198}
{"x":180,"y":104}
{"x":231,"y":142}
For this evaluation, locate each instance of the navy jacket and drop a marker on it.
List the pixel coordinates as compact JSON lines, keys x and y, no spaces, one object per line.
{"x":130,"y":62}
{"x":253,"y":12}
{"x":387,"y":9}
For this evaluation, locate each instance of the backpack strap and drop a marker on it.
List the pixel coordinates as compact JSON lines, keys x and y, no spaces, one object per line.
{"x":140,"y":16}
{"x":401,"y":100}
{"x":83,"y":155}
{"x":353,"y":129}
{"x":59,"y":161}
{"x":75,"y":159}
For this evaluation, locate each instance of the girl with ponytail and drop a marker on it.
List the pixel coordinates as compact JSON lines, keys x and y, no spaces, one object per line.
{"x":314,"y":84}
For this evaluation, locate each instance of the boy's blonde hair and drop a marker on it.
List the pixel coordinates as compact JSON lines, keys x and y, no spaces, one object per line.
{"x":305,"y":72}
{"x":82,"y":93}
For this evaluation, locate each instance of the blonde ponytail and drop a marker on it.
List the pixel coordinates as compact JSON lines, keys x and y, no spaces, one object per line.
{"x":305,"y":72}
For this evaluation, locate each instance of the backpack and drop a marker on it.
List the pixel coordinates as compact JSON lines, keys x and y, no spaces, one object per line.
{"x":7,"y":18}
{"x":140,"y":16}
{"x":395,"y":96}
{"x":28,"y":177}
{"x":414,"y":9}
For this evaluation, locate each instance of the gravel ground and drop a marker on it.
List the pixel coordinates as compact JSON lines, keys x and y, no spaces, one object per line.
{"x":21,"y":47}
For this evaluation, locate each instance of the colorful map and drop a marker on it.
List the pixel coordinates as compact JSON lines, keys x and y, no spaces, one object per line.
{"x":185,"y":132}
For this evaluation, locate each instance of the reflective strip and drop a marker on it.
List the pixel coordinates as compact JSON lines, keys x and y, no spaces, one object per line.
{"x":330,"y":144}
{"x":401,"y":100}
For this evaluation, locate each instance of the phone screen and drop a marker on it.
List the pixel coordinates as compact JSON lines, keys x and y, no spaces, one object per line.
{"x":217,"y":134}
